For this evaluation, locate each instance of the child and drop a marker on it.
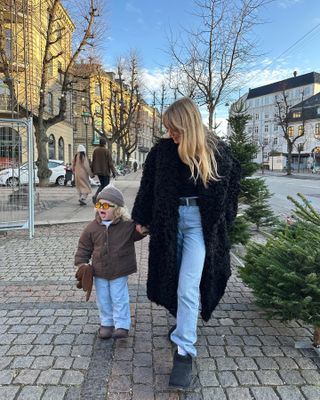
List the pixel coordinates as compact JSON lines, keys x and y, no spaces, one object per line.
{"x":68,"y":175}
{"x":109,"y":242}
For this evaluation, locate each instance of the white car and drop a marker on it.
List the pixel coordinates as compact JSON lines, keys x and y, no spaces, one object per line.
{"x":13,"y":176}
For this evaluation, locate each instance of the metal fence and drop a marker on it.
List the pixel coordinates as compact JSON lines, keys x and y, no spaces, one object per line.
{"x":16,"y":175}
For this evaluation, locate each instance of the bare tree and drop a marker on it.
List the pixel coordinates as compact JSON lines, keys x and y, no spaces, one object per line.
{"x":53,"y":34}
{"x":206,"y":61}
{"x":284,"y":117}
{"x":124,"y":99}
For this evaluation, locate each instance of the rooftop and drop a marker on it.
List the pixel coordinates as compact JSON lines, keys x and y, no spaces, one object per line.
{"x":289,"y":83}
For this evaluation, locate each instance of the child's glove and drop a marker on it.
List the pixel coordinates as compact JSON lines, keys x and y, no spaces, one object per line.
{"x":84,"y":276}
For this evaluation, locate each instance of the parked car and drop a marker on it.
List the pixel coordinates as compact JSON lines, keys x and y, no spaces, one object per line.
{"x":14,"y":176}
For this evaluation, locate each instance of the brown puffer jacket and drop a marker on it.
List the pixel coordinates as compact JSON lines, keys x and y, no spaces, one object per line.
{"x":111,"y":249}
{"x":102,"y":163}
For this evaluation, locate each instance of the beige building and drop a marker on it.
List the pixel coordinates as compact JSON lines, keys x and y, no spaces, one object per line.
{"x":23,"y":28}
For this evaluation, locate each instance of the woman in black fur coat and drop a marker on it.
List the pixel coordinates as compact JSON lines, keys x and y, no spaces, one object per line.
{"x":188,"y":199}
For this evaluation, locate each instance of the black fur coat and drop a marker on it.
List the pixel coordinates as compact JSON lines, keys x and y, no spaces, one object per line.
{"x":156,"y":206}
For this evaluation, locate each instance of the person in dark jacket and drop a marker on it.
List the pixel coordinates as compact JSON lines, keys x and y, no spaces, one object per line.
{"x":109,"y":242}
{"x":102,"y":165}
{"x":188,"y":198}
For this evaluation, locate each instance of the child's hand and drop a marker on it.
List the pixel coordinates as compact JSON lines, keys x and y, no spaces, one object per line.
{"x":143,"y":230}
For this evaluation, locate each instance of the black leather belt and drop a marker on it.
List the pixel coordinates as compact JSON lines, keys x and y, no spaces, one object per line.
{"x":188,"y":201}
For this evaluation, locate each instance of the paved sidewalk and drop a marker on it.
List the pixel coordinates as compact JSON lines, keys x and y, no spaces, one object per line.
{"x":49,"y":349}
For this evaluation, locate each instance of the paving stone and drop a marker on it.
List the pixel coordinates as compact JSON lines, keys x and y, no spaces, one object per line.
{"x":246,"y":363}
{"x":289,"y":393}
{"x":8,"y":392}
{"x":50,"y":377}
{"x":286,"y":363}
{"x":311,"y":376}
{"x":81,"y":363}
{"x":19,"y":350}
{"x":226,"y":363}
{"x":41,"y":350}
{"x":266,"y":363}
{"x":142,"y":375}
{"x":264,"y":393}
{"x":43,"y":362}
{"x":6,"y":377}
{"x":31,"y":393}
{"x":238,"y":393}
{"x":227,"y":379}
{"x":43,"y":339}
{"x":292,"y":377}
{"x":142,"y":359}
{"x":27,"y":376}
{"x":72,"y":378}
{"x":311,"y":392}
{"x":54,"y":393}
{"x":214,"y":393}
{"x":247,"y":378}
{"x":267,"y":377}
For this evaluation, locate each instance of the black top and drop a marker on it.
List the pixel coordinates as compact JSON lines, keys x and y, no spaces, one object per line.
{"x":187,"y":186}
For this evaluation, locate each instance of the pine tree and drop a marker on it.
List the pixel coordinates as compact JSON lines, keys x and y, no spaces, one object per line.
{"x":284,"y":273}
{"x":253,"y":192}
{"x":259,"y":211}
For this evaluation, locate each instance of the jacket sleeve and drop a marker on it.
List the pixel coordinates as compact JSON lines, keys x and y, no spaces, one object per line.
{"x":233,"y":192}
{"x":85,"y":249}
{"x":143,"y":204}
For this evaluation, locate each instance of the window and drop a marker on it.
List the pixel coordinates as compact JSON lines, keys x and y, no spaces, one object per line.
{"x":317,"y":131}
{"x":98,"y":110}
{"x":50,"y":103}
{"x":266,"y":128}
{"x":266,"y":116}
{"x":60,"y":74}
{"x":290,"y":131}
{"x":318,"y":110}
{"x":52,"y":147}
{"x":257,"y":116}
{"x":275,"y":127}
{"x":296,"y":114}
{"x":300,"y":130}
{"x":97,"y":90}
{"x":275,"y":140}
{"x":265,"y":141}
{"x":61,"y":148}
{"x":256,"y":129}
{"x":8,"y":43}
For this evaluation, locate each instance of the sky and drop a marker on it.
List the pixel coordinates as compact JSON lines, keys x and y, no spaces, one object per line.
{"x":288,"y":39}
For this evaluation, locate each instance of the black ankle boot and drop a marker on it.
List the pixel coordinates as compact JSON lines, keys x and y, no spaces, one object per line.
{"x":181,"y":374}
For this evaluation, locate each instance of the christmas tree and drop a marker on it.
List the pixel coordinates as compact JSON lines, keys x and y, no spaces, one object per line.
{"x":254,"y":192}
{"x":284,"y":273}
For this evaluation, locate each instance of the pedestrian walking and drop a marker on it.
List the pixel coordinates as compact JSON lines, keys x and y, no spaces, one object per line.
{"x":68,"y":175}
{"x":188,"y":197}
{"x":102,"y":165}
{"x":82,"y":172}
{"x":109,"y":242}
{"x":135,"y":166}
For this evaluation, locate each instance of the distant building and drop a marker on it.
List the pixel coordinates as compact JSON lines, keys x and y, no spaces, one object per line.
{"x":263,"y":126}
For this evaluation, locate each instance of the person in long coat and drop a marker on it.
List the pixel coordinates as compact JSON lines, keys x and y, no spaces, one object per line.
{"x":188,"y":199}
{"x":82,"y":172}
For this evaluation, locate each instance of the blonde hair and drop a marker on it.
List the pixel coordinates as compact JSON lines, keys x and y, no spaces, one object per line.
{"x":119,"y":212}
{"x":195,"y":149}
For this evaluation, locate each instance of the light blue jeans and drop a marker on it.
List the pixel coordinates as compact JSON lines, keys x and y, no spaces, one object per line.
{"x":191,"y":255}
{"x":113,"y":302}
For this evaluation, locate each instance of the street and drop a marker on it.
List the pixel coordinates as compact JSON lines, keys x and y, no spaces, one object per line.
{"x":282,"y":186}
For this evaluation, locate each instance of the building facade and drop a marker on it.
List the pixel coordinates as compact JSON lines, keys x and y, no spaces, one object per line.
{"x":263,"y":126}
{"x":23,"y":28}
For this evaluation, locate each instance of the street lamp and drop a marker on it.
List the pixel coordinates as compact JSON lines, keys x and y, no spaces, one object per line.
{"x":86,"y":119}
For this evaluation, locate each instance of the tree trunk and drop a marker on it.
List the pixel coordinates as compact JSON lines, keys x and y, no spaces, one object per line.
{"x":42,"y":162}
{"x":316,"y":336}
{"x":210,"y":117}
{"x":289,"y":161}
